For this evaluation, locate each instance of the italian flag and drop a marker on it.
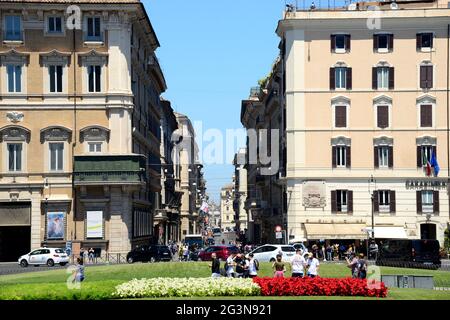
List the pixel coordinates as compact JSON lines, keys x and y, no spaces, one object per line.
{"x":427,"y":165}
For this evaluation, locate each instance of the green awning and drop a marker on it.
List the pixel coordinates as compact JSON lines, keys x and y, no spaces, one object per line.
{"x":109,"y":169}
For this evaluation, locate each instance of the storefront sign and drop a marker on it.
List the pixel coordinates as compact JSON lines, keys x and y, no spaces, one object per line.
{"x":94,"y":224}
{"x":314,"y":194}
{"x":55,"y":225}
{"x":426,"y":184}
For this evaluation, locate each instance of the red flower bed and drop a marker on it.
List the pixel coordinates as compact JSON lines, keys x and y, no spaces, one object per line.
{"x":320,"y":287}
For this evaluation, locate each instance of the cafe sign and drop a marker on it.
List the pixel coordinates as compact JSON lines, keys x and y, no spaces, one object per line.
{"x":427,"y":184}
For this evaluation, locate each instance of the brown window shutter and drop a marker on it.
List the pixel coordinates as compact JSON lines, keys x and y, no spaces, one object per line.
{"x":418,"y":41}
{"x":375,"y":42}
{"x":333,"y":201}
{"x":333,"y":156}
{"x":419,"y":156}
{"x":333,"y":43}
{"x":391,"y":78}
{"x":376,"y":203}
{"x":349,"y":201}
{"x":349,"y":78}
{"x":426,"y":118}
{"x":391,"y":42}
{"x":419,"y":201}
{"x":432,"y":40}
{"x":391,"y":156}
{"x":429,"y":76}
{"x":347,"y":43}
{"x":375,"y":157}
{"x":436,"y":201}
{"x":341,"y":116}
{"x":374,"y":78}
{"x":332,"y":79}
{"x":423,"y":77}
{"x":392,"y":204}
{"x":383,"y":116}
{"x":348,"y":155}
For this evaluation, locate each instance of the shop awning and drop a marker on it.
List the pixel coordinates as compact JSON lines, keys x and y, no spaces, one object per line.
{"x":335,"y":231}
{"x":390,"y":233}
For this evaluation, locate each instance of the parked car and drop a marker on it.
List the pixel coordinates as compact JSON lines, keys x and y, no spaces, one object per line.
{"x":44,"y":256}
{"x":269,"y":252}
{"x":151,"y":253}
{"x":217,"y":232}
{"x":222,"y":252}
{"x":409,"y":253}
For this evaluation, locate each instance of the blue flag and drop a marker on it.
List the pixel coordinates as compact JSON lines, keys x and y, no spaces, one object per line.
{"x":435,"y":164}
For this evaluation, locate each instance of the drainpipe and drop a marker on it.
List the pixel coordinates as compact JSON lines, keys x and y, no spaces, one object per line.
{"x":74,"y":135}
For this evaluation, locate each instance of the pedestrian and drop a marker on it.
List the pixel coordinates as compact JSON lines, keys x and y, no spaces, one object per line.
{"x":215,"y":266}
{"x":329,"y":253}
{"x":81,"y":253}
{"x":180,"y":253}
{"x":298,"y":265}
{"x":186,"y":253}
{"x":240,"y":265}
{"x":78,"y":273}
{"x":315,"y":250}
{"x":323,"y":253}
{"x":91,"y":255}
{"x":352,"y":264}
{"x":253,"y":266}
{"x":85,"y":255}
{"x":313,"y":266}
{"x":230,"y":264}
{"x":373,"y":250}
{"x":362,"y":267}
{"x":279,"y":267}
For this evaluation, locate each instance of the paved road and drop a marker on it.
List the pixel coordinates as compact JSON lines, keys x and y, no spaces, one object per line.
{"x":14,"y":268}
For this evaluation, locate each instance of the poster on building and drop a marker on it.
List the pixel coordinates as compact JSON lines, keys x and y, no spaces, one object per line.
{"x":55,"y":225}
{"x":94,"y":224}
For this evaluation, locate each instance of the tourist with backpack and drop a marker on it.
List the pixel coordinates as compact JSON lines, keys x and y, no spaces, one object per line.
{"x":252,"y":266}
{"x":362,"y":267}
{"x":353,"y":264}
{"x":298,"y":264}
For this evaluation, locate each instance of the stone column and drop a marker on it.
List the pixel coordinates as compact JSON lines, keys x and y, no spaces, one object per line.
{"x":37,"y":229}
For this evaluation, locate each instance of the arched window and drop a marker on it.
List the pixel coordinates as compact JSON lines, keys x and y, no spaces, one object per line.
{"x":14,"y":145}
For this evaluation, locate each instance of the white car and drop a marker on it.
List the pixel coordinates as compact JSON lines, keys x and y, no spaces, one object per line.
{"x":269,"y":252}
{"x":41,"y":256}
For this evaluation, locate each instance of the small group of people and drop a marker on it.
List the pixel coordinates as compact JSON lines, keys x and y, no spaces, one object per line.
{"x":87,"y":255}
{"x":186,"y":252}
{"x":298,"y":266}
{"x":358,"y":266}
{"x":236,"y":266}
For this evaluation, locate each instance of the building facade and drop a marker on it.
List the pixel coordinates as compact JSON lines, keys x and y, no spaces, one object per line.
{"x":79,"y":119}
{"x":240,"y":191}
{"x":226,"y":208}
{"x":366,"y":113}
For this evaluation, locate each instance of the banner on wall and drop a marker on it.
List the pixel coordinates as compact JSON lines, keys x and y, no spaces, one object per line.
{"x":55,"y":225}
{"x":94,"y":224}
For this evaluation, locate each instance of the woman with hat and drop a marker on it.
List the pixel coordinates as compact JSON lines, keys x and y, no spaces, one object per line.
{"x":313,"y":266}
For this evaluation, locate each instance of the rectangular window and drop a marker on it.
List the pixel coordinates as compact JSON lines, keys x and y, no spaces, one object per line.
{"x":13,"y":28}
{"x":383,"y":41}
{"x":384,"y":201}
{"x":427,"y":201}
{"x":341,"y":116}
{"x":54,"y":25}
{"x":93,"y":29}
{"x":341,"y":78}
{"x":382,"y":116}
{"x":341,"y":156}
{"x":340,"y":43}
{"x":14,"y":156}
{"x":383,"y":77}
{"x":426,"y":154}
{"x":426,"y":77}
{"x":341,"y":200}
{"x":383,"y":156}
{"x":426,"y":115}
{"x":95,"y":147}
{"x":94,"y":76}
{"x":56,"y":78}
{"x":425,"y":40}
{"x":56,"y":156}
{"x":14,"y":73}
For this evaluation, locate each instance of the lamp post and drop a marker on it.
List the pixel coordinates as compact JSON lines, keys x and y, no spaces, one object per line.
{"x":372,"y":181}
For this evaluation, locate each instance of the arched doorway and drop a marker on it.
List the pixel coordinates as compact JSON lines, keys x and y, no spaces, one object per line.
{"x":428,"y":231}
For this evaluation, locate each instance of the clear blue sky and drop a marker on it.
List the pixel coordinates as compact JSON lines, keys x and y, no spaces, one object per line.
{"x":211,"y":53}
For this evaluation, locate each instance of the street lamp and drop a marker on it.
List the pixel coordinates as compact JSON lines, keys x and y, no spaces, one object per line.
{"x":373,"y":182}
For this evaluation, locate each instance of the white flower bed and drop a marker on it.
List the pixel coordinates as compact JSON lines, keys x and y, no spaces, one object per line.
{"x":186,"y":287}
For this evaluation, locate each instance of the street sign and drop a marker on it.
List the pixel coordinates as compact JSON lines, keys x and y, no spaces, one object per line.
{"x":279,"y":235}
{"x":278,"y":229}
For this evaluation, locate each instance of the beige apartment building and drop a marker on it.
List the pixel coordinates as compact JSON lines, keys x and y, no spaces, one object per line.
{"x":366,"y":109}
{"x":79,"y":126}
{"x":226,"y":208}
{"x":240,"y":190}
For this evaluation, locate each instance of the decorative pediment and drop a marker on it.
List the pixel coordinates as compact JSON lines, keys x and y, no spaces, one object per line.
{"x":55,"y":56}
{"x":426,"y":140}
{"x":14,"y":56}
{"x":342,"y":141}
{"x":382,"y":63}
{"x":426,"y":99}
{"x":94,"y":133}
{"x":383,"y":141}
{"x":340,"y":64}
{"x":14,"y":116}
{"x":93,"y":56}
{"x":382,"y":100}
{"x":56,"y":133}
{"x":15,"y":133}
{"x":340,"y":100}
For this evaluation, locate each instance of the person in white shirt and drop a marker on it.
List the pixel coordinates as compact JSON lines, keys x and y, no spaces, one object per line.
{"x":313,"y":266}
{"x":298,"y":265}
{"x":253,"y":266}
{"x":230,"y":265}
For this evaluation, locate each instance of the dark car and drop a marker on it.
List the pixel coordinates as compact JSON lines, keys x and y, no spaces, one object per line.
{"x":409,"y":253}
{"x":151,"y":253}
{"x":222,"y":252}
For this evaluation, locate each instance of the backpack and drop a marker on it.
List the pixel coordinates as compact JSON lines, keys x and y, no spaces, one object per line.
{"x":256,"y":264}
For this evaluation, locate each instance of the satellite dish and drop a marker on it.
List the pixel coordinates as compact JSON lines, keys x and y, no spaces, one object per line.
{"x":394,"y":6}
